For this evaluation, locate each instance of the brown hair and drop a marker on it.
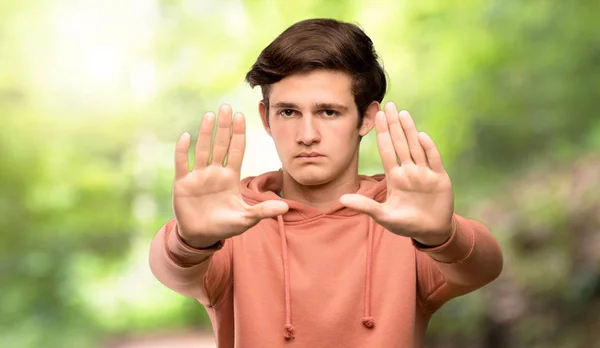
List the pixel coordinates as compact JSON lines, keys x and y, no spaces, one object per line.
{"x":322,"y":44}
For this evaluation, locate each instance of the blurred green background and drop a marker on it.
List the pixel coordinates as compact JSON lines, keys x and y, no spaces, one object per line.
{"x":93,"y":95}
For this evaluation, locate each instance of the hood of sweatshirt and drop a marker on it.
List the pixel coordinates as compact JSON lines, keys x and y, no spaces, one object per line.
{"x":267,"y":186}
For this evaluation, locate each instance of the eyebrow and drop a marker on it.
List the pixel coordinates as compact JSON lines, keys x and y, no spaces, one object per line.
{"x":286,"y":105}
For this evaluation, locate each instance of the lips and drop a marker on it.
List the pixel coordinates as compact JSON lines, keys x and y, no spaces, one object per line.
{"x":309,"y":154}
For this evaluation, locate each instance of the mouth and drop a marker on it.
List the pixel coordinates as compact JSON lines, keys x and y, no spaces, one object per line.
{"x":309,"y":155}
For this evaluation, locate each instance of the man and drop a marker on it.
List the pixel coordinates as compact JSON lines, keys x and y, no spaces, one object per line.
{"x":316,"y":255}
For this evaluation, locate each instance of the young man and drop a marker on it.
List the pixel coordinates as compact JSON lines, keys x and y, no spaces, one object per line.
{"x":316,"y":255}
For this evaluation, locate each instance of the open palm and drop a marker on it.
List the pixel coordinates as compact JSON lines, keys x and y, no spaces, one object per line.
{"x":207,"y":203}
{"x":420,"y":201}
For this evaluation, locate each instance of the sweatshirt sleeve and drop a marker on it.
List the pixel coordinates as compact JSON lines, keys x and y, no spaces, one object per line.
{"x":203,"y":274}
{"x":470,"y":259}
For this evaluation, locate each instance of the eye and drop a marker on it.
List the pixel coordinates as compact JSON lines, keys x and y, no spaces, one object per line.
{"x":287,"y":113}
{"x":330,"y":113}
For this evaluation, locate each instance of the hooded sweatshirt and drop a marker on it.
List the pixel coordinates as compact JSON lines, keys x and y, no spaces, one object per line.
{"x":324,"y":279}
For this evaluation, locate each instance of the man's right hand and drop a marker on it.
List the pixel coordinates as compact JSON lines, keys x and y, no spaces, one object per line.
{"x":207,"y":203}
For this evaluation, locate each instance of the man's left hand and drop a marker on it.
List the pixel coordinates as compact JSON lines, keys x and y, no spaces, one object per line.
{"x":420,"y":201}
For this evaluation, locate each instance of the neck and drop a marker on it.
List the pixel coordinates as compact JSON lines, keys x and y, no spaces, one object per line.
{"x":321,"y":197}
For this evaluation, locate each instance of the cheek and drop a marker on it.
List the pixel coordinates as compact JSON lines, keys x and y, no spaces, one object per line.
{"x":282,"y":138}
{"x":279,"y":133}
{"x":344,"y":141}
{"x":343,"y":131}
{"x":284,"y":131}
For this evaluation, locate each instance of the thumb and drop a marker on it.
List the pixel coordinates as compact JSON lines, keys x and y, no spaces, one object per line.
{"x":361,"y":203}
{"x":268,"y":209}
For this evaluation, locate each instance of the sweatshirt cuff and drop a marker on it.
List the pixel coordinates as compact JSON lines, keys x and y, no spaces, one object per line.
{"x":457,"y":248}
{"x":181,"y":253}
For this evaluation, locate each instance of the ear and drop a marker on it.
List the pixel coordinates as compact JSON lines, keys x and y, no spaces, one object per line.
{"x":368,"y":121}
{"x":264,"y":116}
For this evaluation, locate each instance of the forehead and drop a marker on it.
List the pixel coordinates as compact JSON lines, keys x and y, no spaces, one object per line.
{"x":319,"y":86}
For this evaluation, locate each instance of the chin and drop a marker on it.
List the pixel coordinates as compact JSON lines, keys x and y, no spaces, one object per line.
{"x":311,"y":176}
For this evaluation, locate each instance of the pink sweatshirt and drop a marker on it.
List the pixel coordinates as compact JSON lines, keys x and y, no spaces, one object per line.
{"x":334,"y":279}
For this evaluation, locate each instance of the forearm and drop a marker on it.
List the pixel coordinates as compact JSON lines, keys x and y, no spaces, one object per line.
{"x":470,"y":259}
{"x":179,"y":266}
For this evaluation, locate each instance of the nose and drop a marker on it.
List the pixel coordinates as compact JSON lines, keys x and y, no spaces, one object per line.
{"x":308,"y":132}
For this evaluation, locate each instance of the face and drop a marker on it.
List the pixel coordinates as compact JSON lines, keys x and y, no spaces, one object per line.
{"x":313,"y":121}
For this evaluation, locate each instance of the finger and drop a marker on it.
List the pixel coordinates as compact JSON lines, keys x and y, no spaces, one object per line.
{"x":204,"y":139}
{"x":181,"y":155}
{"x":397,"y":134}
{"x":267,"y":209}
{"x":412,"y":136}
{"x":361,"y":203}
{"x":433,"y":155}
{"x":384,"y":143}
{"x":238,"y":143}
{"x":223,"y":136}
